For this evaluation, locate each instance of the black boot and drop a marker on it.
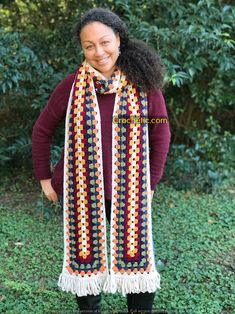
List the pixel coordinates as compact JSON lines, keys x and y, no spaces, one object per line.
{"x":140,"y":302}
{"x":89,"y":304}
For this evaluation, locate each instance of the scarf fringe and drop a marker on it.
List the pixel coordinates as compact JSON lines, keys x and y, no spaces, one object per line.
{"x":81,"y":287}
{"x":123,"y":284}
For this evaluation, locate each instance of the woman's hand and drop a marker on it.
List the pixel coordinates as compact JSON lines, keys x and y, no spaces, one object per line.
{"x":48,"y":190}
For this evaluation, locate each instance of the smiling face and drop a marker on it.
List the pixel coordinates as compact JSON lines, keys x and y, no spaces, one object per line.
{"x":100,"y":46}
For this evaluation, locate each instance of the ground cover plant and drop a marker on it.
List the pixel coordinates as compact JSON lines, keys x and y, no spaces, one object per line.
{"x":194,"y":243}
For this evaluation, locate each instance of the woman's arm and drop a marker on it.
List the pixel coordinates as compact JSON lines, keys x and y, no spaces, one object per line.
{"x":159,"y":136}
{"x":43,"y":132}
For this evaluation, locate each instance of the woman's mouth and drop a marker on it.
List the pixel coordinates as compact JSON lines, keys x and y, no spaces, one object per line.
{"x":103,"y":61}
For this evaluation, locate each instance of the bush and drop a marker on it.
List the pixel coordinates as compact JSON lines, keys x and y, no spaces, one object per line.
{"x":204,"y":164}
{"x":26,"y":83}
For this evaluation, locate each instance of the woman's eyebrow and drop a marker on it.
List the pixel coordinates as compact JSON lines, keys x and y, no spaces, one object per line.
{"x":99,"y":39}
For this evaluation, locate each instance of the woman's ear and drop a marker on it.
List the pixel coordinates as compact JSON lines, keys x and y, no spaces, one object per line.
{"x":118,"y":40}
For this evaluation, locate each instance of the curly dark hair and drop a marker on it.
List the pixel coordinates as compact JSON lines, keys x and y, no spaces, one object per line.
{"x":140,"y":62}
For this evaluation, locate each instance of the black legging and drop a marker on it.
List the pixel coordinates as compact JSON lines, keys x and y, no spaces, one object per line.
{"x":136,"y":302}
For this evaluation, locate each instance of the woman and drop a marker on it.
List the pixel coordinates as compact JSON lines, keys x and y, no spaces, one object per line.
{"x":112,"y":162}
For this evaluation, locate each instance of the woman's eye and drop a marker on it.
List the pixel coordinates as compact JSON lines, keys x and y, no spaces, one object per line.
{"x":105,"y":43}
{"x":89,"y":47}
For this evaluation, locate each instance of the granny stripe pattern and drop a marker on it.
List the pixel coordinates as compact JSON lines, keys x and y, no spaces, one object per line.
{"x":86,"y":268}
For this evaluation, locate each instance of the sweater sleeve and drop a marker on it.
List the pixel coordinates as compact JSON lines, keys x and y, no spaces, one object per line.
{"x":45,"y":126}
{"x":159,"y":136}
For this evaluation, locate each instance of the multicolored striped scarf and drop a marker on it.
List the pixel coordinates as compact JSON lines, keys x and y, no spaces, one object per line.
{"x":130,"y":265}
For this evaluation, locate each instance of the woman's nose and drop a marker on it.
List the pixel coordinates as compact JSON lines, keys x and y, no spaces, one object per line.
{"x":98,"y":51}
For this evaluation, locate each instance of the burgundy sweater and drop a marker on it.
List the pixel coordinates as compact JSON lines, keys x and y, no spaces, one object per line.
{"x":55,"y":112}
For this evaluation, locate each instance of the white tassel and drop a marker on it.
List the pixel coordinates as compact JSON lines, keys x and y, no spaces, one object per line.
{"x":136,"y":283}
{"x":133,"y":283}
{"x":81,"y":286}
{"x":110,"y":285}
{"x":107,"y":284}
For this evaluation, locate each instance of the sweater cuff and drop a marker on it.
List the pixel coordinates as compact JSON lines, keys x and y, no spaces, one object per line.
{"x":43,"y":176}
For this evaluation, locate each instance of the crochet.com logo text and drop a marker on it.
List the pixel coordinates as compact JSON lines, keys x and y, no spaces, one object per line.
{"x":139,"y":120}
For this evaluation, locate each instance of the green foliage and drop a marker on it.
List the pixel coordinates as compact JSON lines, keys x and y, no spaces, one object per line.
{"x":193,"y":235}
{"x":49,"y":29}
{"x":203,"y":165}
{"x":25,"y":85}
{"x":214,"y":144}
{"x":20,"y":68}
{"x":188,"y":170}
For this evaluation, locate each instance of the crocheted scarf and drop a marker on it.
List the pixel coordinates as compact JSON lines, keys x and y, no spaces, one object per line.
{"x":130,"y":265}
